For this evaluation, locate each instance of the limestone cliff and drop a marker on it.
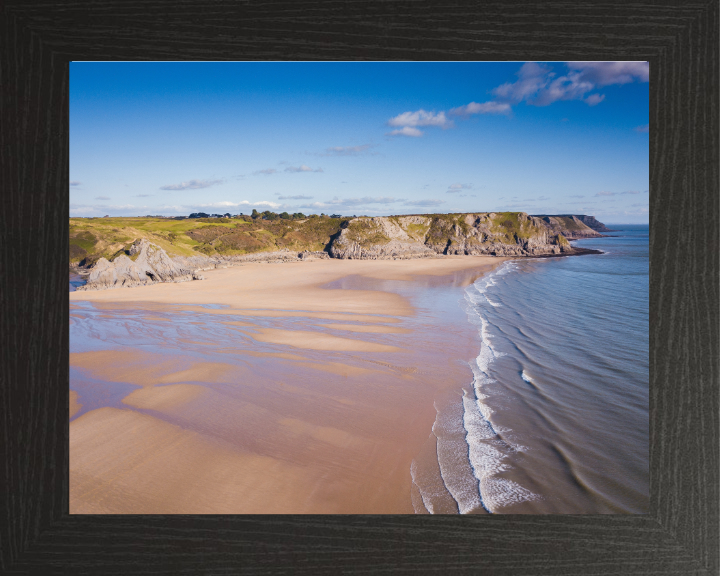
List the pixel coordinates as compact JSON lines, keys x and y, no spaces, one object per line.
{"x":146,"y":264}
{"x":366,"y":238}
{"x":498,"y":234}
{"x":574,"y":226}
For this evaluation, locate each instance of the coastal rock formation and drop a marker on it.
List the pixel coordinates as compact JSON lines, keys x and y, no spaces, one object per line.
{"x":574,"y":226}
{"x":146,"y":264}
{"x":503,"y":234}
{"x":382,"y":238}
{"x":364,"y":238}
{"x":152,"y":265}
{"x":591,"y":222}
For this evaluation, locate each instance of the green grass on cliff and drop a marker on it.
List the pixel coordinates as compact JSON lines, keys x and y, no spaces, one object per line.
{"x":366,"y":233}
{"x":92,"y":238}
{"x":512,"y":225}
{"x":569,"y":224}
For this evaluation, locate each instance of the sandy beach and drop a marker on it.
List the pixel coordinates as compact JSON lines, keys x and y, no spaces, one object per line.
{"x":304,"y":387}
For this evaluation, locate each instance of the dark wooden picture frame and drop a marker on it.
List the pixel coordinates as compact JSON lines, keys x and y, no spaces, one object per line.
{"x":681,"y":533}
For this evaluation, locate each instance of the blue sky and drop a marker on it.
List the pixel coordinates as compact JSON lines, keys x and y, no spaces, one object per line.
{"x":360,"y":138}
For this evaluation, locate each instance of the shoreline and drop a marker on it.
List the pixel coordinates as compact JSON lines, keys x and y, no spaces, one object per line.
{"x":311,"y":391}
{"x":273,"y":258}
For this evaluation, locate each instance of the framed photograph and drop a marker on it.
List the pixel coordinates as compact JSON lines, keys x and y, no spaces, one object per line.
{"x":353,"y":299}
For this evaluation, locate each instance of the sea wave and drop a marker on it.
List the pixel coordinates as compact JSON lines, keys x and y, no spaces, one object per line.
{"x":465,"y":430}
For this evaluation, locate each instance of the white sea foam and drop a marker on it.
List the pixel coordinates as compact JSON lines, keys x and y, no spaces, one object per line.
{"x":484,"y":452}
{"x":495,"y":304}
{"x":527,"y":378}
{"x":488,"y":453}
{"x":452,"y":454}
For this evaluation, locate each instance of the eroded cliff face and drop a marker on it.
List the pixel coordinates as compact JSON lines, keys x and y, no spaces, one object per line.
{"x":365,"y":238}
{"x":146,"y":264}
{"x":498,"y":234}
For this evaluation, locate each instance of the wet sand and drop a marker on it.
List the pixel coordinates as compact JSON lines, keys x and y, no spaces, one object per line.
{"x":306,"y":388}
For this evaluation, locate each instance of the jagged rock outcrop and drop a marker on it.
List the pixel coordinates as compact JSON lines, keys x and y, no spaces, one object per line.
{"x":366,"y":238}
{"x":150,"y":264}
{"x":382,"y":238}
{"x":503,"y":234}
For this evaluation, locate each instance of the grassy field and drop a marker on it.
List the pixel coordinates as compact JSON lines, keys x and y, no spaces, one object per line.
{"x":92,"y":238}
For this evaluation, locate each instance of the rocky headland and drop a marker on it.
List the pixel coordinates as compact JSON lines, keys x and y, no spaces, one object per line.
{"x":365,"y":238}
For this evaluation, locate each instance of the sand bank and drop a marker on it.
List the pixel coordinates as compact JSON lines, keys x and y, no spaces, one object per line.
{"x":203,"y":413}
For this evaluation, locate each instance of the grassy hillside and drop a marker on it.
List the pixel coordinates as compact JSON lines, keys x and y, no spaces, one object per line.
{"x":92,"y":238}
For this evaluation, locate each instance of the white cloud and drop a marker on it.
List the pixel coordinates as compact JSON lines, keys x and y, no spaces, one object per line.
{"x":75,"y":183}
{"x":267,"y":171}
{"x":302,"y":168}
{"x":606,"y":73}
{"x":408,"y":122}
{"x":490,"y":107}
{"x":102,"y":197}
{"x":191,"y":185}
{"x":457,"y":187}
{"x":299,"y":197}
{"x":423,"y":202}
{"x":406,"y":131}
{"x":420,"y":118}
{"x":143,"y":195}
{"x":531,"y":78}
{"x":644,"y":128}
{"x":227,"y":204}
{"x":540,"y":86}
{"x":605,"y":194}
{"x":594,"y":99}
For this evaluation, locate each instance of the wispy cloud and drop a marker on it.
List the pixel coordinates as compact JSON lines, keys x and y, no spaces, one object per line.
{"x":644,"y":128}
{"x":457,"y":187}
{"x":267,"y":171}
{"x":302,"y":168}
{"x":539,"y":85}
{"x":102,"y":197}
{"x":228,"y":204}
{"x":347,"y":150}
{"x":408,"y":122}
{"x":299,"y":197}
{"x":577,"y":196}
{"x":191,"y":185}
{"x":606,"y":73}
{"x":420,"y":118}
{"x":362,"y":201}
{"x":75,"y":183}
{"x":423,"y":202}
{"x":143,"y":196}
{"x":618,"y":193}
{"x":489,"y":107}
{"x":406,"y":131}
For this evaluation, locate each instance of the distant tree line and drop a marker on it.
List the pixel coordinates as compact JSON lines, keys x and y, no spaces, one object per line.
{"x":266,"y":215}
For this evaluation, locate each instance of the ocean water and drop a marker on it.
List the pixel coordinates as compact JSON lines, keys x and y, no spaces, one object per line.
{"x":554,"y":416}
